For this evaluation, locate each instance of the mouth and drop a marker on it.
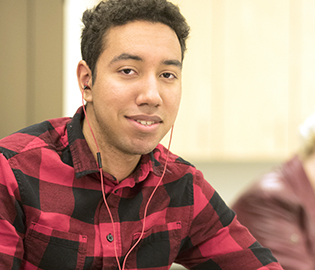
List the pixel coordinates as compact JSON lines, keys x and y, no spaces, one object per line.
{"x":146,"y":123}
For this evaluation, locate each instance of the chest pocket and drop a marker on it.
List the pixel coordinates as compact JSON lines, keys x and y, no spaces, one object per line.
{"x":47,"y":249}
{"x":159,"y":246}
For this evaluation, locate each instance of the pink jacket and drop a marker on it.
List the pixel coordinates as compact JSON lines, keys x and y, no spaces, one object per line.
{"x":279,"y":210}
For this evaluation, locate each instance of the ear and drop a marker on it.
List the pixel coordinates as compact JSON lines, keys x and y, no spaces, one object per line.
{"x":84,"y":76}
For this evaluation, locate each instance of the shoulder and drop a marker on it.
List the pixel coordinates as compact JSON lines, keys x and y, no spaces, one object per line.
{"x":50,"y":133}
{"x":177,"y":167}
{"x":184,"y":176}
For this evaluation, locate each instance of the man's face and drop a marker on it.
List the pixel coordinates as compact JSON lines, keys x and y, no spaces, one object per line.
{"x":136,"y":94}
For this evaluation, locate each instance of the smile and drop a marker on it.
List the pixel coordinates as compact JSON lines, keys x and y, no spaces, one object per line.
{"x":146,"y":123}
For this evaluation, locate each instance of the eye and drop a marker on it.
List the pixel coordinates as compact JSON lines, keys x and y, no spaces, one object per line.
{"x":168,"y":75}
{"x":127,"y":71}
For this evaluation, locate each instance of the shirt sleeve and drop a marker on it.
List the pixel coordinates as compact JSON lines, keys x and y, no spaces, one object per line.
{"x":11,"y":216}
{"x":275,"y":222}
{"x":217,"y":240}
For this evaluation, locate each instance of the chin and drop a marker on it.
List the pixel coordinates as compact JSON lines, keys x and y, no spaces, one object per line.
{"x":142,"y":149}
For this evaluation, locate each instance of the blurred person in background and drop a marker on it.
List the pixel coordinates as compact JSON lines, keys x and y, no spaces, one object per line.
{"x":279,"y":208}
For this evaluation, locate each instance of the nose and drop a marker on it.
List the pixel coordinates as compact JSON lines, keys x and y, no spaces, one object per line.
{"x":149,"y":92}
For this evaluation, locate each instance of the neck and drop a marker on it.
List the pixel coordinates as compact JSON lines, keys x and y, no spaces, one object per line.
{"x":113,"y":162}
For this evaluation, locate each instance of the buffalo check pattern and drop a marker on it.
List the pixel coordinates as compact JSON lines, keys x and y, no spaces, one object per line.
{"x":52,"y":214}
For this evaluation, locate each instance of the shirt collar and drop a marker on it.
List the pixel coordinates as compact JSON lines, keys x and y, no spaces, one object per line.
{"x":84,"y":162}
{"x":83,"y":159}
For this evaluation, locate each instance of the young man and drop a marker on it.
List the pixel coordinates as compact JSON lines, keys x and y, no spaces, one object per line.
{"x":98,"y":191}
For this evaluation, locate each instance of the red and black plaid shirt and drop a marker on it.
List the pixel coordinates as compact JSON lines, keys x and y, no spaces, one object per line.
{"x":52,"y":214}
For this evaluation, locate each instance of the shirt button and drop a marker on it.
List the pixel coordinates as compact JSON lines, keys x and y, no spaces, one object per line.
{"x":110,"y":238}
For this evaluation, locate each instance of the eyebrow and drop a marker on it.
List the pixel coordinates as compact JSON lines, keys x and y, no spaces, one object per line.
{"x":173,"y":63}
{"x":126,"y":56}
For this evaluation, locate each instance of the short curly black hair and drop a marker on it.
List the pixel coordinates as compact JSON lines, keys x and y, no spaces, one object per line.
{"x":112,"y":13}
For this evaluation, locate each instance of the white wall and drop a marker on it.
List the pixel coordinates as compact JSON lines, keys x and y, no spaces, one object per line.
{"x":73,"y":10}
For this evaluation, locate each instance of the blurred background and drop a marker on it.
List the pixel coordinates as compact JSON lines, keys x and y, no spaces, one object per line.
{"x":248,"y":79}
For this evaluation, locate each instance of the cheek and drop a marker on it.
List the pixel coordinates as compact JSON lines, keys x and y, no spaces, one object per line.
{"x":175,"y":98}
{"x":109,"y":93}
{"x":173,"y":103}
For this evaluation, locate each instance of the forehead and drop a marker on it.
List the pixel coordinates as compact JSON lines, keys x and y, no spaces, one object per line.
{"x":143,"y":38}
